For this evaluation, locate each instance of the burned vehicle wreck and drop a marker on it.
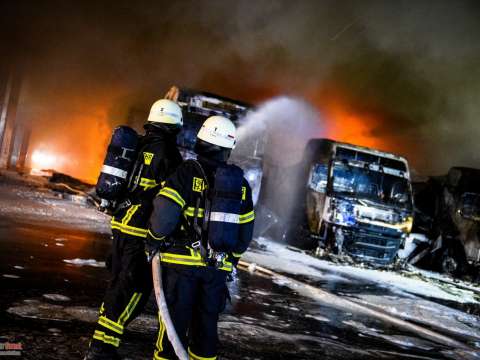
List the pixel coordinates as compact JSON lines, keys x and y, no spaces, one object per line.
{"x":447,"y":223}
{"x":354,"y":200}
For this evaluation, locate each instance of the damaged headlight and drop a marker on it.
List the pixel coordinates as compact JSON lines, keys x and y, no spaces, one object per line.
{"x":407,"y":224}
{"x":343,"y":213}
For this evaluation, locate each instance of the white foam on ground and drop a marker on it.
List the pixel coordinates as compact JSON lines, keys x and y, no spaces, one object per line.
{"x":56,"y":297}
{"x":32,"y":203}
{"x":318,"y":317}
{"x":279,"y":258}
{"x":85,"y":262}
{"x":426,"y":312}
{"x":10,"y":276}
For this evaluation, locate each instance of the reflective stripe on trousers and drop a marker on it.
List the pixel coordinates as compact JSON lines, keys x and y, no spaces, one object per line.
{"x":194,"y":259}
{"x":115,"y":326}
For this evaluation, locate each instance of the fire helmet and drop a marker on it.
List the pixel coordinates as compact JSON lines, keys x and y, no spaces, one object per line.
{"x":219,"y":131}
{"x":166,"y":112}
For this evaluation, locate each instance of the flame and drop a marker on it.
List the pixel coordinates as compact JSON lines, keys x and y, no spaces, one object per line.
{"x":76,"y":147}
{"x":42,"y":159}
{"x":346,"y":122}
{"x":346,"y":125}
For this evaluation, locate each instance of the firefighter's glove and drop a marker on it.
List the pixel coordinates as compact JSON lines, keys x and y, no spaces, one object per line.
{"x":155,"y":244}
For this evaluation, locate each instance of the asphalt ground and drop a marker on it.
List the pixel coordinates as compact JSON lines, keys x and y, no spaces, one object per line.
{"x":266,"y":320}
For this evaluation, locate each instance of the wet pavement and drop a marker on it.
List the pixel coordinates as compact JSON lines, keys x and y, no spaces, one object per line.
{"x":52,"y":277}
{"x":266,"y":320}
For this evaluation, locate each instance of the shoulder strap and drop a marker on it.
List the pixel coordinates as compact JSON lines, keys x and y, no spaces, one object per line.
{"x":136,"y":171}
{"x":200,"y":231}
{"x":199,"y":167}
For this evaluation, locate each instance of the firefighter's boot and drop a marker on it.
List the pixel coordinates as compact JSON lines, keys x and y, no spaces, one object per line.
{"x":99,"y":351}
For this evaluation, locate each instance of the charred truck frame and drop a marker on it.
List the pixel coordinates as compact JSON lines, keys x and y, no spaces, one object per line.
{"x":447,"y":223}
{"x":356,"y":200}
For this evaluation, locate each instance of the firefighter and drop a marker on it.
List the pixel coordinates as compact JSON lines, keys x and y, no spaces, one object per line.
{"x":201,"y":224}
{"x":131,"y":281}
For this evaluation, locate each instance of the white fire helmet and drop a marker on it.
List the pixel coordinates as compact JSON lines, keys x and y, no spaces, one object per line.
{"x":218,"y":130}
{"x":166,"y":112}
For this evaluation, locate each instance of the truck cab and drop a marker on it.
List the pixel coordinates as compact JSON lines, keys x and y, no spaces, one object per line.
{"x":357,"y":200}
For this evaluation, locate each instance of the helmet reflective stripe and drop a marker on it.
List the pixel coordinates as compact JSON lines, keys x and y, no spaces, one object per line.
{"x":166,"y":112}
{"x":218,"y":130}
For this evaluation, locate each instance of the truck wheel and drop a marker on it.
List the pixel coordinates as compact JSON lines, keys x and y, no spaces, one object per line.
{"x":454,"y":262}
{"x":449,"y":265}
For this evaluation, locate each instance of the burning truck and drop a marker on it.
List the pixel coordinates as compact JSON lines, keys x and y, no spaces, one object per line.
{"x":354,"y":199}
{"x":345,"y":198}
{"x":447,"y":223}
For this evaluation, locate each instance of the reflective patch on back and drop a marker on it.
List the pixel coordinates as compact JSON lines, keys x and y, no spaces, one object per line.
{"x":147,"y":157}
{"x":198,"y":184}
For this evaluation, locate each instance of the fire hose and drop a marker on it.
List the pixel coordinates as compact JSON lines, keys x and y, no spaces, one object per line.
{"x":163,"y":309}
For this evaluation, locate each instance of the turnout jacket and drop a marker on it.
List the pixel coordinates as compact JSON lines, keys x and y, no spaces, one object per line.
{"x":158,"y":157}
{"x":174,"y":213}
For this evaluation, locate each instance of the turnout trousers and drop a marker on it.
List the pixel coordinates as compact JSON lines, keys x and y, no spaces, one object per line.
{"x":128,"y":290}
{"x":195,"y":297}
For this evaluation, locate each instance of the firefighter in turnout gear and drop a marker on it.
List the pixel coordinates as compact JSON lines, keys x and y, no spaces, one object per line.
{"x":201,"y":224}
{"x":131,"y":280}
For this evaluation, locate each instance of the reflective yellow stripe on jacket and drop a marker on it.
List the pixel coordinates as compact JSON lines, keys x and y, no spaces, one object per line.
{"x":148,"y":184}
{"x":190,"y":211}
{"x":172,"y":194}
{"x":128,"y":229}
{"x":246,"y":218}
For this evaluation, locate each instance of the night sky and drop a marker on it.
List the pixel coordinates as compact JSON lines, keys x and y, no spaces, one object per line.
{"x":400,"y":75}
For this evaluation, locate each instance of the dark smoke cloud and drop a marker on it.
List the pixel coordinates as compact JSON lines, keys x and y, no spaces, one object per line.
{"x":412,"y":65}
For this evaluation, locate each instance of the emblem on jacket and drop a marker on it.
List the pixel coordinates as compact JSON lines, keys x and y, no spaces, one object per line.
{"x":147,"y":157}
{"x":198,"y":185}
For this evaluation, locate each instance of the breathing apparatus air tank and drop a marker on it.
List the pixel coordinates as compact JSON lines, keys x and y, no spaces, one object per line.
{"x":119,"y":162}
{"x":224,"y":212}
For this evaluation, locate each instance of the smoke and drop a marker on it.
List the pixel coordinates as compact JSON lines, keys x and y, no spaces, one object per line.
{"x":283,"y":125}
{"x":405,"y":75}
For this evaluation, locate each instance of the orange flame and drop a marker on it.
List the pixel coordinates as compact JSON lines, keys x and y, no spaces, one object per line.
{"x":76,"y":147}
{"x":343,"y":124}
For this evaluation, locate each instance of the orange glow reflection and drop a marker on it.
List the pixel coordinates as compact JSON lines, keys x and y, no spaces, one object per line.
{"x":75,"y":146}
{"x":343,"y":124}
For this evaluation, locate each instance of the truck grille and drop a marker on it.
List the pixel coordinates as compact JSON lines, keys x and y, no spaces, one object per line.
{"x":372,"y":247}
